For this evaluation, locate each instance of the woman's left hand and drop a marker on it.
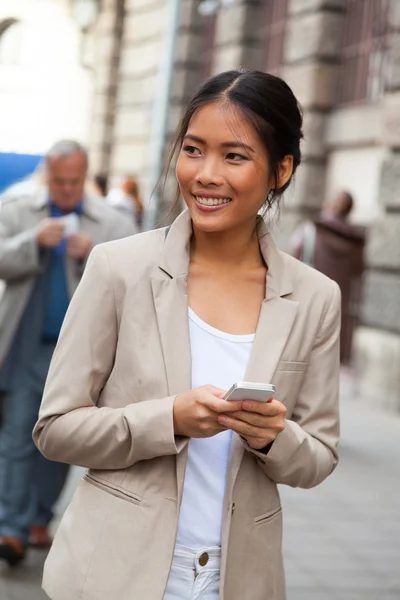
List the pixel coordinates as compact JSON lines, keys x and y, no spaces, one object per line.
{"x":258,"y":422}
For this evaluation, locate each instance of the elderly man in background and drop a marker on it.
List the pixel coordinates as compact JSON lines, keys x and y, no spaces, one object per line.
{"x":45,"y":239}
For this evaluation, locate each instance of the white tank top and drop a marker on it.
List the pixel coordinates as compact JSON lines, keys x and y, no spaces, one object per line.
{"x":220,"y":359}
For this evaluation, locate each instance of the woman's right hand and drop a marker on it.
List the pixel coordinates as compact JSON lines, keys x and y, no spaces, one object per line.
{"x":196,"y":411}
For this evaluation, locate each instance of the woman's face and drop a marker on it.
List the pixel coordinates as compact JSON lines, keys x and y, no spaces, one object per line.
{"x":222,"y":169}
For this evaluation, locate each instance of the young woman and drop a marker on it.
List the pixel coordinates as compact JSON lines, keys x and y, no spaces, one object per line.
{"x":180,"y":498}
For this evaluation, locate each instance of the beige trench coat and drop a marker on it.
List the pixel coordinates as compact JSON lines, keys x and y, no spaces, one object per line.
{"x":122,"y":356}
{"x":20,"y":261}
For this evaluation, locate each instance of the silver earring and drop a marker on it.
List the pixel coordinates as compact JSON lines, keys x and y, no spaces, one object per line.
{"x":270,"y":196}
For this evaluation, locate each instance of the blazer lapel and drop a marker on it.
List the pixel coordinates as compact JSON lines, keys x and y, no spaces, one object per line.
{"x":171,"y":306}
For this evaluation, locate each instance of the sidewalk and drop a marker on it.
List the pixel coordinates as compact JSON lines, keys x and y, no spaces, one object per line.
{"x":341,"y":540}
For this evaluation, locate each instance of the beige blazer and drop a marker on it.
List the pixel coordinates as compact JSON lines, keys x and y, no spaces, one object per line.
{"x":21,"y":261}
{"x":122,"y":356}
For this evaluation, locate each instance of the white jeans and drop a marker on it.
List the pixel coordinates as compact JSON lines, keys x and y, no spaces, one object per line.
{"x":194,"y":574}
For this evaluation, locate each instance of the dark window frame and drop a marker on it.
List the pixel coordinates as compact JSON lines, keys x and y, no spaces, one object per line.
{"x":273,"y":33}
{"x":362,"y":70}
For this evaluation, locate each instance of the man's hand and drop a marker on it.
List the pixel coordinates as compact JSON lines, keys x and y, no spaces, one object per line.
{"x":79,"y":245}
{"x":258,"y":422}
{"x":50,"y":233}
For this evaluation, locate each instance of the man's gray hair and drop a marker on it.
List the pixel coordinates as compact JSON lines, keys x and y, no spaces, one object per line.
{"x":65,"y":148}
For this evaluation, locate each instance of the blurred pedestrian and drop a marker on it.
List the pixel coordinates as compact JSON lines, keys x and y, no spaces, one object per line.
{"x":45,"y":239}
{"x":100,"y":185}
{"x":180,"y":501}
{"x":335,"y":247}
{"x":127,"y":199}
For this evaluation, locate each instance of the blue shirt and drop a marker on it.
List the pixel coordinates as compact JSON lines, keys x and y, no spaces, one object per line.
{"x":58,"y":295}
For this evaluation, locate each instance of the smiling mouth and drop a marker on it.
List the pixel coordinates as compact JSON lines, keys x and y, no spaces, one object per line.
{"x":212,"y":201}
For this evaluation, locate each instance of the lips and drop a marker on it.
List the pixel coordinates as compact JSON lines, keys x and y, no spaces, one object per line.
{"x":211,"y":204}
{"x":212,"y":201}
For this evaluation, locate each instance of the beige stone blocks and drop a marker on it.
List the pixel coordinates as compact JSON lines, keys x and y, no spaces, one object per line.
{"x":231,"y":25}
{"x":377,"y":367}
{"x":189,"y":47}
{"x":132,"y":123}
{"x":138,"y":6}
{"x":390,"y":185}
{"x":145,"y":25}
{"x":383,"y":249}
{"x":312,"y":83}
{"x":228,"y":57}
{"x":141,"y":59}
{"x":381,"y":307}
{"x":129,"y":157}
{"x":133,"y":91}
{"x":391,"y":120}
{"x":313,"y":35}
{"x":308,"y":188}
{"x":354,"y":125}
{"x":313,"y":144}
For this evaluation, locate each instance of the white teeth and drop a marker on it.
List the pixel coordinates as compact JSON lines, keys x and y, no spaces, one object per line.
{"x":212,"y":201}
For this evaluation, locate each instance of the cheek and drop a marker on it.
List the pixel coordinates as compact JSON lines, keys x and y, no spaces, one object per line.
{"x":182,"y":171}
{"x":255,"y":183}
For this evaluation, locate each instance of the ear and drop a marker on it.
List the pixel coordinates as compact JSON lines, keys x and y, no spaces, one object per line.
{"x":285,"y":171}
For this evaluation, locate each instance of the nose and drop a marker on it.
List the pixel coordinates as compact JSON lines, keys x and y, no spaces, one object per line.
{"x":209,"y":172}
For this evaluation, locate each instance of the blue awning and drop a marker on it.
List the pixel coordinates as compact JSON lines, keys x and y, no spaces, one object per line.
{"x":14,"y":167}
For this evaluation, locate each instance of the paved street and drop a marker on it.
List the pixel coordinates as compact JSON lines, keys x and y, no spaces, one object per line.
{"x":342,"y":540}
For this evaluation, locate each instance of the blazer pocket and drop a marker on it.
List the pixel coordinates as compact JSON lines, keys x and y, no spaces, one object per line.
{"x":114,"y":490}
{"x":268,"y":516}
{"x":292,"y":366}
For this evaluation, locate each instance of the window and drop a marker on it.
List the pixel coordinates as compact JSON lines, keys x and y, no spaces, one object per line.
{"x":273,"y":35}
{"x":364,"y":51}
{"x":208,"y":44}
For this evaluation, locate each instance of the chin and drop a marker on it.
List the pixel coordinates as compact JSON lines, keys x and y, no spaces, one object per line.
{"x":213,"y":223}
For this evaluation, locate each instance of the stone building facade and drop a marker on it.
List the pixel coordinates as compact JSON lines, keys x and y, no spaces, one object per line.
{"x":342,"y":59}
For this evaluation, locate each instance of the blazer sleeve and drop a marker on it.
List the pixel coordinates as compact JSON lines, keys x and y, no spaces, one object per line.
{"x":71,"y":427}
{"x":305,"y":452}
{"x":19,"y":253}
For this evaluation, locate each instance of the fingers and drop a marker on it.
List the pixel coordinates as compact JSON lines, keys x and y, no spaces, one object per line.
{"x":218,"y":404}
{"x":267,"y":409}
{"x":256,"y":420}
{"x":267,"y":432}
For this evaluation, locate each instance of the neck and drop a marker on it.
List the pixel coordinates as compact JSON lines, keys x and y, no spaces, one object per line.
{"x":231,"y":248}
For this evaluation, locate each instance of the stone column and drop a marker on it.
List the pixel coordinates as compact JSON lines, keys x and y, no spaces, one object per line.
{"x":311,"y":56}
{"x":107,"y":42}
{"x":378,"y":345}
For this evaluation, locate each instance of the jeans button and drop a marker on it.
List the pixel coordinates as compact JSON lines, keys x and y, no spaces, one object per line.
{"x":203,"y":560}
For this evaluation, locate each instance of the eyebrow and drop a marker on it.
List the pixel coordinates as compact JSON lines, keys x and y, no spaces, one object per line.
{"x":195,"y":138}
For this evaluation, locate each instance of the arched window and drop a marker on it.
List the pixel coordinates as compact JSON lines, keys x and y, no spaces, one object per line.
{"x":10,"y":41}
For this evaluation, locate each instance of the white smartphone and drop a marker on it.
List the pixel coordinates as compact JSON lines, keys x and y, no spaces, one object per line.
{"x":71,"y":224}
{"x":245,"y":390}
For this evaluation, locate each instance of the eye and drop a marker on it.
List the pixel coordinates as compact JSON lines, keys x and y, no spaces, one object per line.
{"x":236,"y":157}
{"x":192,"y":150}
